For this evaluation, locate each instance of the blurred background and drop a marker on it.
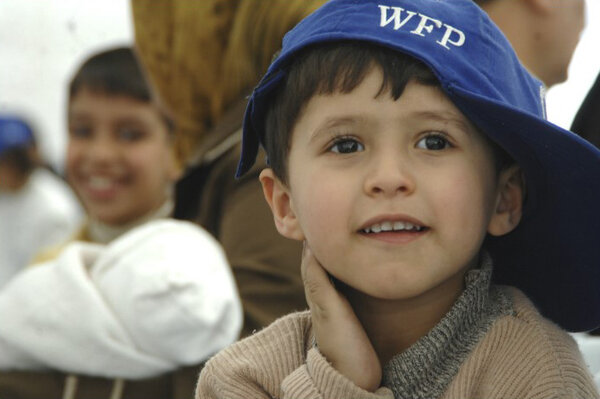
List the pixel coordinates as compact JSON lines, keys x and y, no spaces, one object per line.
{"x":42,"y":41}
{"x":41,"y":44}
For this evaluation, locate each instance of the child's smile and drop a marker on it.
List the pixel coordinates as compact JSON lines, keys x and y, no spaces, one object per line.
{"x":119,"y":158}
{"x":100,"y":186}
{"x":394,"y":229}
{"x":393,"y":197}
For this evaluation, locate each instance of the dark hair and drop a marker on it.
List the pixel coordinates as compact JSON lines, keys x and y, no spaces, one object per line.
{"x":115,"y":72}
{"x":339,"y":67}
{"x":20,"y":159}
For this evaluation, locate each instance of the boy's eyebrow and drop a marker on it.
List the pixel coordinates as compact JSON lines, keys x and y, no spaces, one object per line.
{"x":77,"y":115}
{"x":336,"y":121}
{"x":447,"y":117}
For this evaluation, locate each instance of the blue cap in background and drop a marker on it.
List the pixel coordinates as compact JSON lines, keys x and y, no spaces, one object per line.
{"x":14,"y":133}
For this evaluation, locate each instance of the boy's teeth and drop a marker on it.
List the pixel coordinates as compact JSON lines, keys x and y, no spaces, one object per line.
{"x":392,"y":226}
{"x":100,"y":182}
{"x":387,"y":226}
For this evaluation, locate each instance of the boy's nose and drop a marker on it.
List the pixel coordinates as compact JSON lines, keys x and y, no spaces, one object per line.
{"x":389,"y":175}
{"x":101,"y":149}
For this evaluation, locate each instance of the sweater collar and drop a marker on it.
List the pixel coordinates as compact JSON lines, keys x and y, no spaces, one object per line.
{"x":426,"y":368}
{"x":103,"y":233}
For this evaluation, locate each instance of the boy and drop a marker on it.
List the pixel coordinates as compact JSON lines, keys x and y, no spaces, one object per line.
{"x":390,"y":127}
{"x":137,"y":294}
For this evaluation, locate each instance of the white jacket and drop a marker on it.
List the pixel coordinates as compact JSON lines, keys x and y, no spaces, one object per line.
{"x":42,"y":214}
{"x":159,"y":297}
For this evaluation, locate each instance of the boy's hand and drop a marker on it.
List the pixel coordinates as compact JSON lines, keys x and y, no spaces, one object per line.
{"x":340,"y":336}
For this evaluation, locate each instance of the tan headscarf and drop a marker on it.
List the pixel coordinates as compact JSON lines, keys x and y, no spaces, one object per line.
{"x":202,"y":56}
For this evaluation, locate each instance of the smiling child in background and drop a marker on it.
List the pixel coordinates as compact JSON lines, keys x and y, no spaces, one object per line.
{"x":137,"y":293}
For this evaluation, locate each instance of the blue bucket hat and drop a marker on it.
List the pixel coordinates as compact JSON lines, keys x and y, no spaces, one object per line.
{"x":554,"y":253}
{"x":14,"y":133}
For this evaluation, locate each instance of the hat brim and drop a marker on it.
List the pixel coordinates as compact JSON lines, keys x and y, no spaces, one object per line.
{"x":534,"y":257}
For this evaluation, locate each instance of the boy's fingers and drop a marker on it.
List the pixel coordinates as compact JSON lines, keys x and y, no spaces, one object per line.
{"x":318,"y":288}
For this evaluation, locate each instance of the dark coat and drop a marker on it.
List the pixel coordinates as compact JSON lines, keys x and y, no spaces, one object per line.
{"x":587,"y":124}
{"x":587,"y":120}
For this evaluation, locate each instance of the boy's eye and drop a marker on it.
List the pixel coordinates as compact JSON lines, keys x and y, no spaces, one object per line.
{"x":433,"y":142}
{"x":129,"y":134}
{"x":346,"y":146}
{"x":80,"y":132}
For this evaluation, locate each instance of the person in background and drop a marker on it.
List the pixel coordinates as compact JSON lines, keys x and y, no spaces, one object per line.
{"x":446,"y":224}
{"x":37,"y":208}
{"x":587,"y":125}
{"x":136,"y":294}
{"x":587,"y":119}
{"x":543,"y":33}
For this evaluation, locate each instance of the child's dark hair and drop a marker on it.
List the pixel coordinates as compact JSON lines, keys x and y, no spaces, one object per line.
{"x":338,"y":67}
{"x":114,"y":72}
{"x":20,"y":159}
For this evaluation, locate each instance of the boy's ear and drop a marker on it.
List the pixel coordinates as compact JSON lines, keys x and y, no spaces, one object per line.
{"x":278,"y":197}
{"x":509,"y":202}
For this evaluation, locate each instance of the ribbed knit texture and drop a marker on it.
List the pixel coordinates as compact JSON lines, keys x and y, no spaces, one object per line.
{"x":426,"y":369}
{"x":507,"y":352}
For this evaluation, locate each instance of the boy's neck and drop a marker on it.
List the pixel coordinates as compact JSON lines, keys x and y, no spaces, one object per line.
{"x":103,"y":233}
{"x":395,"y":325}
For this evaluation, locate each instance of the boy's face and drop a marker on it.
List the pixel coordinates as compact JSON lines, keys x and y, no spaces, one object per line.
{"x":11,"y":179}
{"x":558,"y":45}
{"x":360,"y":165}
{"x":119,"y":157}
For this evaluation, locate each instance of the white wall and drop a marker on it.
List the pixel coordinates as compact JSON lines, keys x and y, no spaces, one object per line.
{"x":42,"y":41}
{"x":41,"y":44}
{"x":563,"y":100}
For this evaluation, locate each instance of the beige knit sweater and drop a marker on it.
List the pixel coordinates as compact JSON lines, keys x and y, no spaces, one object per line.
{"x":522,"y":355}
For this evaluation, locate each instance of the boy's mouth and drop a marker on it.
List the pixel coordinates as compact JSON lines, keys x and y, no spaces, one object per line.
{"x":101,"y":187}
{"x":100,"y":183}
{"x":396,"y":229}
{"x":388,"y":226}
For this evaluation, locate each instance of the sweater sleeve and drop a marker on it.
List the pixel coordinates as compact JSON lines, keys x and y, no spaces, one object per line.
{"x":562,"y":373}
{"x":559,"y":371}
{"x":274,"y":363}
{"x":319,"y":380}
{"x":524,"y":356}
